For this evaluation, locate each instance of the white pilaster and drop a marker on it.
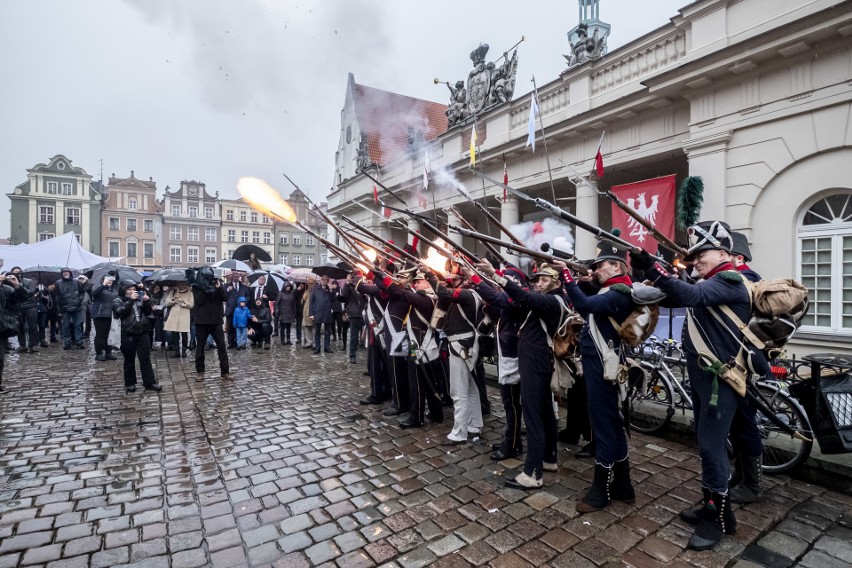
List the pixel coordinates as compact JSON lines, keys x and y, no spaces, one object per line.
{"x":585,"y":242}
{"x":708,"y":159}
{"x":509,"y":216}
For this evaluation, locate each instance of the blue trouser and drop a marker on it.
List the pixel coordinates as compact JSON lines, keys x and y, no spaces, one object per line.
{"x":745,"y":437}
{"x":241,"y":336}
{"x":607,"y":421}
{"x":536,"y":367}
{"x":71,"y":330}
{"x":356,"y":324}
{"x":712,"y":425}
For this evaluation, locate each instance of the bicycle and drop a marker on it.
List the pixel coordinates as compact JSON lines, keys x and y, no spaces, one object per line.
{"x":655,"y":398}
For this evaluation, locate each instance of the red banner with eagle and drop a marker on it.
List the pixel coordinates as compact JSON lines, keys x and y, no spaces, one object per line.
{"x":654,"y":201}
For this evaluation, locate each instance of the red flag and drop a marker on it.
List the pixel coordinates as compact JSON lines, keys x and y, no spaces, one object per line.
{"x":599,"y":169}
{"x":654,"y":200}
{"x":375,"y":194}
{"x":505,"y":178}
{"x":385,"y":211}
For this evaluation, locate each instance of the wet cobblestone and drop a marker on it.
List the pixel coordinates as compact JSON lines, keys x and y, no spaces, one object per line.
{"x":282,"y":467}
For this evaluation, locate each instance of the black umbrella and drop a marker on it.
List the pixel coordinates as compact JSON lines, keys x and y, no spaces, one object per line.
{"x":109,"y":264}
{"x":166,"y":276}
{"x":44,"y":275}
{"x":244,"y":253}
{"x":120,"y":271}
{"x":329,"y":270}
{"x":234,"y":264}
{"x":274,"y":282}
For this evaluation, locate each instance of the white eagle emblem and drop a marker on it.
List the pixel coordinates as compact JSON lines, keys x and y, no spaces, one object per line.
{"x":647,"y":212}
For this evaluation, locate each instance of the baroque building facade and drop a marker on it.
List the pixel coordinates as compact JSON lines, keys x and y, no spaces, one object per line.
{"x":132,"y":222}
{"x":754,"y":97}
{"x":56,"y":198}
{"x":192,"y":220}
{"x":243,"y":225}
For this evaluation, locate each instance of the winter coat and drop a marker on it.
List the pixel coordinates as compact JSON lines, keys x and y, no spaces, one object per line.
{"x":9,"y":296}
{"x":209,"y":305}
{"x":180,"y":307}
{"x":241,"y":315}
{"x":69,"y":295}
{"x":263,"y":315}
{"x":306,"y":307}
{"x":238,"y":290}
{"x":133,"y":314}
{"x":102,"y":299}
{"x":355,"y":301}
{"x":285,"y":307}
{"x":322,"y":298}
{"x":31,"y":289}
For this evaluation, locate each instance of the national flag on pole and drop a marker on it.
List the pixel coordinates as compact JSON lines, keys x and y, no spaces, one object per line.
{"x":375,"y":194}
{"x":426,"y":170}
{"x":654,"y":200}
{"x":531,"y":124}
{"x":599,"y":169}
{"x":505,"y":178}
{"x":473,"y":146}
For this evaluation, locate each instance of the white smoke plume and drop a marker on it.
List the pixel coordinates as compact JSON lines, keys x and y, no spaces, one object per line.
{"x":445,"y":177}
{"x":535,"y":233}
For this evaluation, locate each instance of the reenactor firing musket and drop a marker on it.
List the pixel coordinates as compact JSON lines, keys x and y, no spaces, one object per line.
{"x":557,"y":211}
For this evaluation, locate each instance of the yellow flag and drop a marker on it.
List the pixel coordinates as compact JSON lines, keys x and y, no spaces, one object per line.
{"x":473,"y":147}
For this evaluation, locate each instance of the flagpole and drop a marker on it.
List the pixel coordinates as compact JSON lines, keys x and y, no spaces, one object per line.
{"x":544,"y":140}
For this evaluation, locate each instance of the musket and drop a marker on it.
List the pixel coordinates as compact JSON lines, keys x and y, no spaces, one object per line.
{"x":447,"y":254}
{"x":426,"y":222}
{"x":538,"y":255}
{"x":328,"y":220}
{"x":386,"y":188}
{"x":384,"y":253}
{"x":566,"y":257}
{"x":557,"y":211}
{"x":488,"y":245}
{"x":661,"y":238}
{"x":377,"y":238}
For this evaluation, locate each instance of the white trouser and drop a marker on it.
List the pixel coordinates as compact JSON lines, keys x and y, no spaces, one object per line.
{"x":467,"y":411}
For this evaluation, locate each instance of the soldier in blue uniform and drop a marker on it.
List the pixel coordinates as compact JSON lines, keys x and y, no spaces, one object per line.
{"x":710,"y":340}
{"x":613,"y":302}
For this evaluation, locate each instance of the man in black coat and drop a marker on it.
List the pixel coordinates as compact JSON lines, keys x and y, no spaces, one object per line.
{"x":28,"y":339}
{"x":235,"y":290}
{"x":260,"y":324}
{"x":209,"y":297}
{"x":544,"y":306}
{"x":717,"y":340}
{"x":598,"y":338}
{"x":322,"y":298}
{"x":355,"y":303}
{"x":11,"y":292}
{"x":133,"y":308}
{"x":69,"y":294}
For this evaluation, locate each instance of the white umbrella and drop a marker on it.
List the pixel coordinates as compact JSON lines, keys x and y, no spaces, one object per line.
{"x":234,"y":265}
{"x":274,"y":283}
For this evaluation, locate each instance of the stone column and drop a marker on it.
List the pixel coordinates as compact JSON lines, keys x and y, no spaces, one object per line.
{"x":587,"y":202}
{"x":708,"y":159}
{"x":509,"y":216}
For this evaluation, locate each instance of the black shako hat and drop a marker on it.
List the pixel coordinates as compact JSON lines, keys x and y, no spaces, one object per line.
{"x":709,"y":235}
{"x":608,"y":251}
{"x":740,"y":245}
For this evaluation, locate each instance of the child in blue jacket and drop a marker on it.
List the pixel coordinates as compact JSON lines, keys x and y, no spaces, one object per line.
{"x":240,"y":321}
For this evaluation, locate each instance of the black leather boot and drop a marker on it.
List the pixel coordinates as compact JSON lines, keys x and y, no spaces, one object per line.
{"x":748,"y":490}
{"x":598,"y":495}
{"x":716,"y":520}
{"x":621,"y":488}
{"x":693,"y":516}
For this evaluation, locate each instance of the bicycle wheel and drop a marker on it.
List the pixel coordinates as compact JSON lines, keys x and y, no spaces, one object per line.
{"x":781,"y":451}
{"x":651,"y":403}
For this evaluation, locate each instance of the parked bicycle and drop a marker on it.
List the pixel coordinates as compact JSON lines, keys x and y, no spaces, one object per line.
{"x":663,"y":391}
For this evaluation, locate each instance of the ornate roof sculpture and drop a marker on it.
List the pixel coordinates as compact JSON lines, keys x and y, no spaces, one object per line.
{"x":588,"y":38}
{"x":487,"y":85}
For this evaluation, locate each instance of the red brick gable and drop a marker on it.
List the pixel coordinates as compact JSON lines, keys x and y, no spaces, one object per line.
{"x":385,"y":119}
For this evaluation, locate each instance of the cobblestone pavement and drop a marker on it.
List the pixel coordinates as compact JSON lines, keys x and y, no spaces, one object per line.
{"x":282,"y":467}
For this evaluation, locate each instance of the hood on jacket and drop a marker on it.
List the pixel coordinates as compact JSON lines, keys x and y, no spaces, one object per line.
{"x":63,"y":270}
{"x":242,"y":299}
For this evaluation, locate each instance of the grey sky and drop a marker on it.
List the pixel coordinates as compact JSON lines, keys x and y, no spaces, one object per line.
{"x":213,"y":90}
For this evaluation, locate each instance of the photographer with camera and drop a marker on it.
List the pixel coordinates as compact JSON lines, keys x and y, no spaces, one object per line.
{"x":133,"y":307}
{"x":11,"y":293}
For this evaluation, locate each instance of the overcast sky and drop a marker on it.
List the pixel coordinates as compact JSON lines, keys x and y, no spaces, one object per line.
{"x":213,"y":90}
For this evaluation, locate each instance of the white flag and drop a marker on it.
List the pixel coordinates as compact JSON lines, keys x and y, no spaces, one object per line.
{"x":531,"y":126}
{"x":426,"y":170}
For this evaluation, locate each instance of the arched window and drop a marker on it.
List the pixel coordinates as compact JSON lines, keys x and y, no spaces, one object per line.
{"x":825,"y":263}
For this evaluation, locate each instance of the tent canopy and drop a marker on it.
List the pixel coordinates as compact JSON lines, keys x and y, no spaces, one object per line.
{"x":63,"y":250}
